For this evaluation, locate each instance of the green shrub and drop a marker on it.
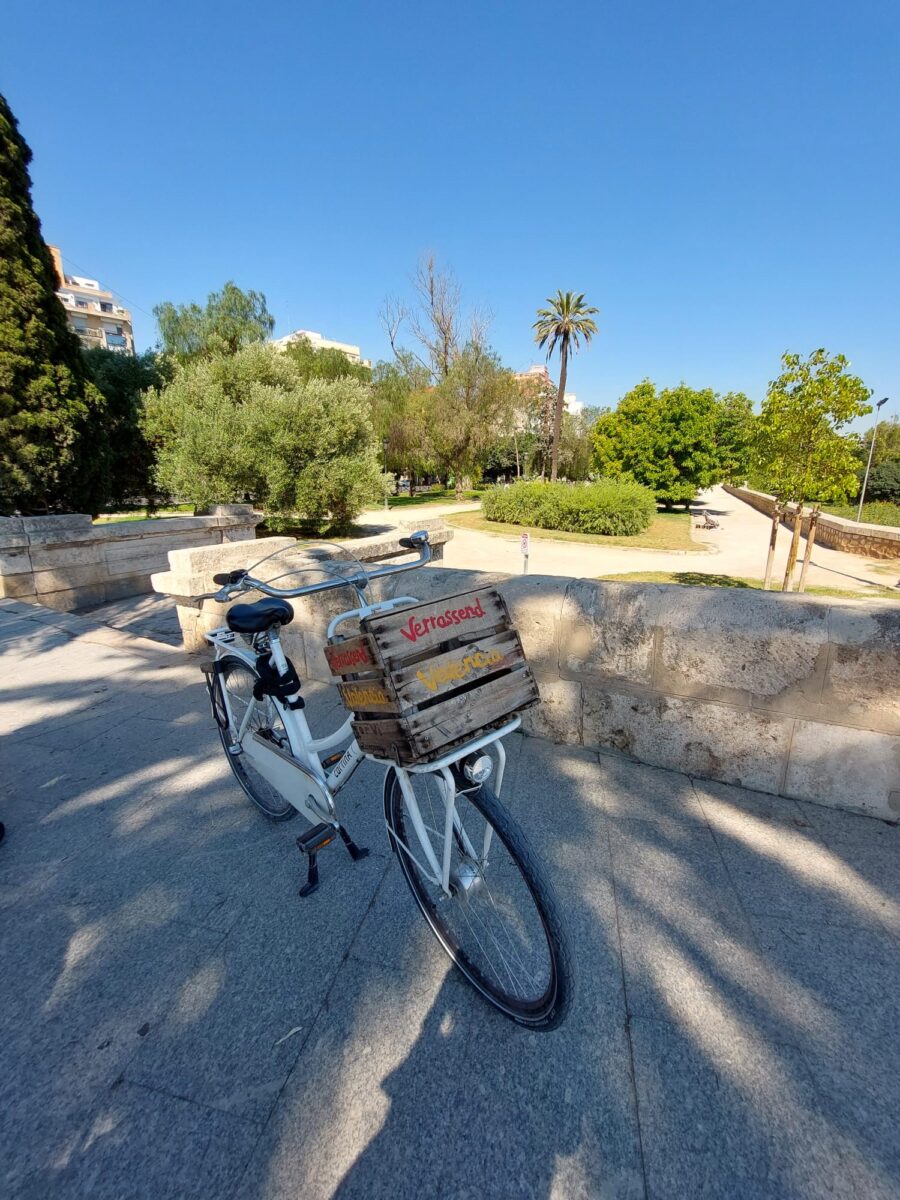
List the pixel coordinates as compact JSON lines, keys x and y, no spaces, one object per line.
{"x":615,"y":507}
{"x":881,"y":513}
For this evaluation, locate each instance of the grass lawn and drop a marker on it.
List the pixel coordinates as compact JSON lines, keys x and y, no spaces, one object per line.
{"x":698,"y":579}
{"x":668,"y":531}
{"x":442,"y":496}
{"x":875,"y":513}
{"x":141,"y":514}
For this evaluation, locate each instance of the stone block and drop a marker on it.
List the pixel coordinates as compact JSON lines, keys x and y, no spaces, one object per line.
{"x":742,"y":647}
{"x":607,"y":630}
{"x":863,"y":679}
{"x":535,"y":604}
{"x":63,"y":578}
{"x":62,"y":524}
{"x":853,"y":769}
{"x":10,"y":527}
{"x":71,"y":599}
{"x":18,"y":586}
{"x":558,"y":716}
{"x":698,"y":737}
{"x":50,"y":556}
{"x":15,"y":560}
{"x":237,"y":532}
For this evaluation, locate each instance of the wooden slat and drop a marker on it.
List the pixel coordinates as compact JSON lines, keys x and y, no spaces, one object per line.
{"x":364,"y":695}
{"x":446,"y":673}
{"x":466,"y":713}
{"x":411,"y":632}
{"x":352,"y":656}
{"x":460,"y":718}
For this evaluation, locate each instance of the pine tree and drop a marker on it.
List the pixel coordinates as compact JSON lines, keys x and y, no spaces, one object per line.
{"x":52,"y":453}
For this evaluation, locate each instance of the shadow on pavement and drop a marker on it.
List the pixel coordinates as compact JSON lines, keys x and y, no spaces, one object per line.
{"x":178,"y":1023}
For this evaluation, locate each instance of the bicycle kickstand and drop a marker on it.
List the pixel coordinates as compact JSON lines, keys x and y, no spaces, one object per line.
{"x":316,"y":839}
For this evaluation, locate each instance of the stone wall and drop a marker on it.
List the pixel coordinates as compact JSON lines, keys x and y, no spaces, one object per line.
{"x":191,"y":571}
{"x":772,"y":692}
{"x":873,"y":541}
{"x":66,"y":562}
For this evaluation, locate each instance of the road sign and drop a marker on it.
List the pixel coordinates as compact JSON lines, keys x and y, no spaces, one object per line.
{"x":523,"y":542}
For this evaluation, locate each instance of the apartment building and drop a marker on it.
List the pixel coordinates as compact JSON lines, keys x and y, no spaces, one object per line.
{"x":92,"y":312}
{"x":322,"y":343}
{"x":540,"y":372}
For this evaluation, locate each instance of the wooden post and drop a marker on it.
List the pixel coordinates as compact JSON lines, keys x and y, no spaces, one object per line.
{"x":792,"y":554}
{"x":810,"y":539}
{"x":773,"y":538}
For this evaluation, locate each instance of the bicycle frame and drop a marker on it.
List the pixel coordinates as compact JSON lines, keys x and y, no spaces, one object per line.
{"x":305,"y":751}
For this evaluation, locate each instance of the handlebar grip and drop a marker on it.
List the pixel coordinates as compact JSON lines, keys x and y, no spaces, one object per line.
{"x":229,"y":576}
{"x":408,"y":544}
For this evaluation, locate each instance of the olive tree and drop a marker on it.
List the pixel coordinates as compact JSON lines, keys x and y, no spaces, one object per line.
{"x":250,"y":425}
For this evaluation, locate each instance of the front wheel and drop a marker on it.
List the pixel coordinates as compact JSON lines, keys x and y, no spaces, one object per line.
{"x":501,"y":924}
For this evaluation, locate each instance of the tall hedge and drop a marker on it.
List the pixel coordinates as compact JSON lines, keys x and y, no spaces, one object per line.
{"x":615,"y":507}
{"x":51,"y":436}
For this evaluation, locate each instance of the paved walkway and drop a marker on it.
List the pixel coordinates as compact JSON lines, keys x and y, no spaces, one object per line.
{"x":177,"y":1023}
{"x":737,"y":548}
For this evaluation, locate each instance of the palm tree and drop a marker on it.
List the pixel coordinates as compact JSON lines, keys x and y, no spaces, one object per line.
{"x":562,"y":324}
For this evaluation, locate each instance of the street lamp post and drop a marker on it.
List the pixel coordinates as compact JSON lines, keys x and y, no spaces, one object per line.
{"x":384,"y":446}
{"x":862,"y":494}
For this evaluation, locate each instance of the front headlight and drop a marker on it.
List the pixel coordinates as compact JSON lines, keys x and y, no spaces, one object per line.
{"x":477,"y":768}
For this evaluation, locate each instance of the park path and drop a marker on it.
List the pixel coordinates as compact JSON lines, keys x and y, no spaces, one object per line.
{"x":177,"y":1023}
{"x":737,"y":548}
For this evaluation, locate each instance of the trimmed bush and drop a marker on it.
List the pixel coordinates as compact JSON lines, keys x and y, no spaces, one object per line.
{"x":615,"y":507}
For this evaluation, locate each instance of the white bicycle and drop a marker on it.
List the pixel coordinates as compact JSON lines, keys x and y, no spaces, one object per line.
{"x":467,"y":863}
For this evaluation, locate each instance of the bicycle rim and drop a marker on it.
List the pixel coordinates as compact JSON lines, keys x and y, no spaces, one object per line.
{"x":500,"y":927}
{"x":238,"y":681}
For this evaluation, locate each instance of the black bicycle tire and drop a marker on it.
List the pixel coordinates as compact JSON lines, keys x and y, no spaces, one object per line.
{"x":507,"y":828}
{"x":232,"y":660}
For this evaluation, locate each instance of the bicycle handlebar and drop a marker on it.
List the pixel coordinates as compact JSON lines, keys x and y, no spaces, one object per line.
{"x":236,"y":582}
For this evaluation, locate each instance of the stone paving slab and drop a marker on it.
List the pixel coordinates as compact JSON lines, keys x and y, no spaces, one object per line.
{"x":178,"y":1023}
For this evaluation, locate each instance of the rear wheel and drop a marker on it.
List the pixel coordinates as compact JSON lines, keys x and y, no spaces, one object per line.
{"x":501,"y":924}
{"x":237,"y":681}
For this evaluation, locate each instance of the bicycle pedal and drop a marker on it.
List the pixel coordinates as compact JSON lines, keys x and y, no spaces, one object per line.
{"x":316,"y":839}
{"x":332,"y":760}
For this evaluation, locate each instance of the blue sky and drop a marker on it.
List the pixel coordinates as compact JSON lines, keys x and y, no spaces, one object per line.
{"x":722,"y":180}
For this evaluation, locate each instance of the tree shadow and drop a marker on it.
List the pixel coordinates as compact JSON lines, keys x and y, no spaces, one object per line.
{"x":177,"y":1017}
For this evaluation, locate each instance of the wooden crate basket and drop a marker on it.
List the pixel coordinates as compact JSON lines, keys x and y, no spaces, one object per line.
{"x":424,"y":678}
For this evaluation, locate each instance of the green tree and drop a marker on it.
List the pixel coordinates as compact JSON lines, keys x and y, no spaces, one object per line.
{"x":250,"y":424}
{"x":467,"y":411}
{"x":798,"y":446}
{"x":399,"y":410}
{"x":326,"y":363}
{"x":887,"y":444}
{"x":884,"y":482}
{"x":47,"y":406}
{"x":735,"y":431}
{"x":576,"y":444}
{"x":121,"y":379}
{"x":563,"y":324}
{"x":665,"y":440}
{"x":230,"y":320}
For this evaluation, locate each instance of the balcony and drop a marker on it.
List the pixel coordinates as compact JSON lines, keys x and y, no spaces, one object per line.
{"x":90,"y":334}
